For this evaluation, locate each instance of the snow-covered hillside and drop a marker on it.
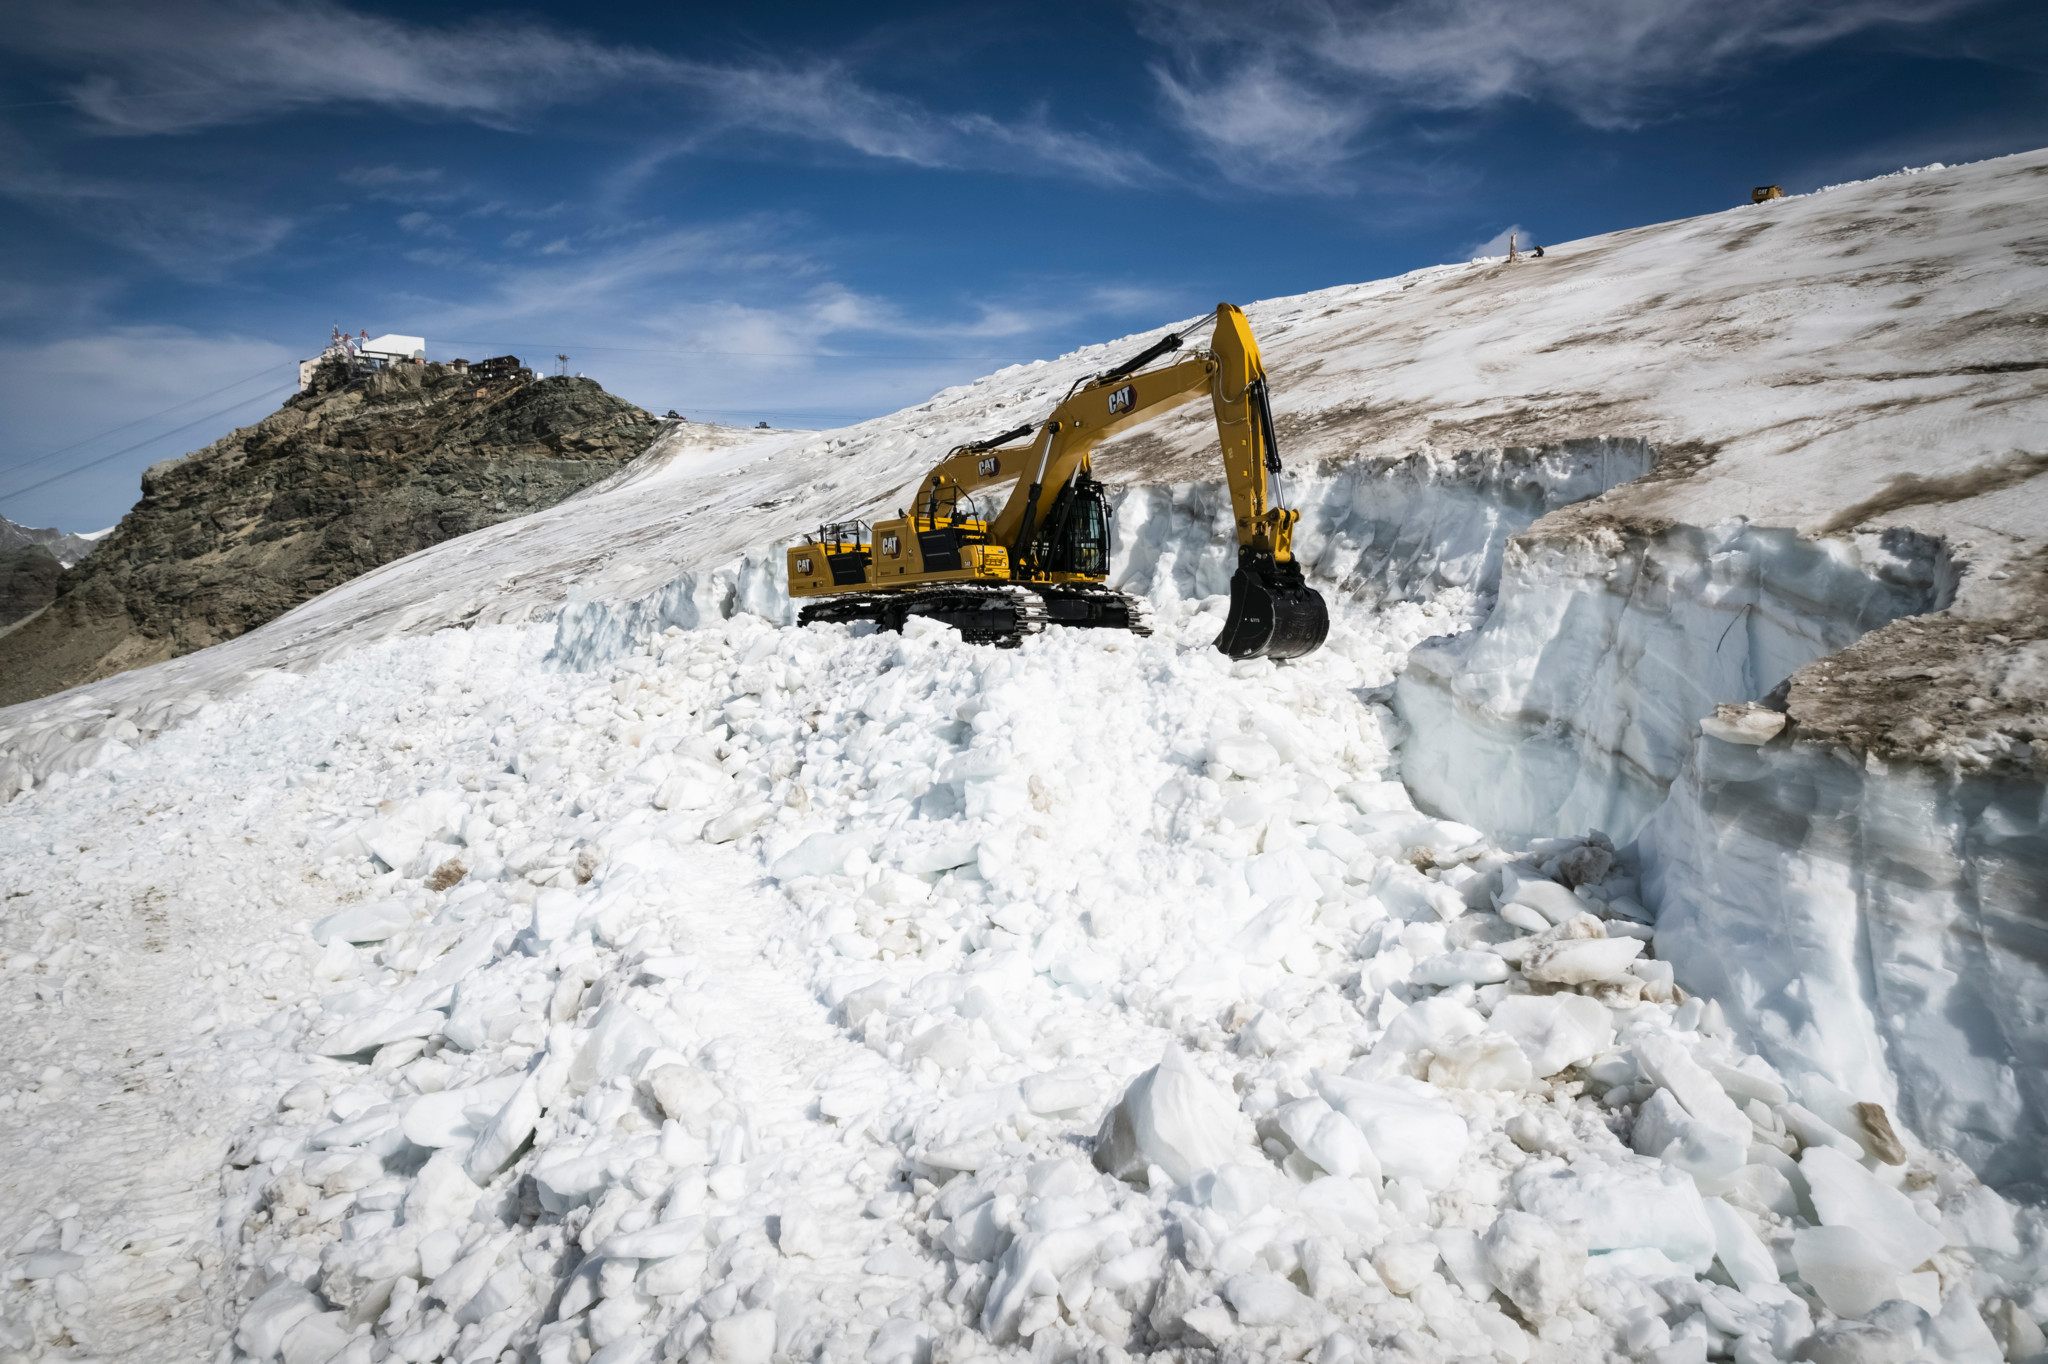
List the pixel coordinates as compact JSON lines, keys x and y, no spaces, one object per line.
{"x":630,"y":976}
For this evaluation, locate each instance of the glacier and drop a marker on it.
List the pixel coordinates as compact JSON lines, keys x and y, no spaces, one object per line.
{"x":540,"y":945}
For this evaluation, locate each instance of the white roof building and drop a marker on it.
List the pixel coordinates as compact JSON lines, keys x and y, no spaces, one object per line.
{"x":395,"y":347}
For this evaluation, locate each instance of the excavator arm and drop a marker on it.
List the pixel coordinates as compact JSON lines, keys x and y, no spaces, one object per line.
{"x":1273,"y":613}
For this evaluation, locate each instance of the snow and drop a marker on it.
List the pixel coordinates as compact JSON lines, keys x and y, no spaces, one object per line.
{"x":667,"y":1080}
{"x":630,"y":976}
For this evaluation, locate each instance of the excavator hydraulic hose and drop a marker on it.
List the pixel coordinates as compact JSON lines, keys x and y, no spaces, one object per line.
{"x":1165,"y":345}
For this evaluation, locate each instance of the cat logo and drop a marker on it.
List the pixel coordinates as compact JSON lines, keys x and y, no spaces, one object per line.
{"x":1122,"y":400}
{"x":892,"y":545}
{"x":988,"y":466}
{"x":803,"y":565}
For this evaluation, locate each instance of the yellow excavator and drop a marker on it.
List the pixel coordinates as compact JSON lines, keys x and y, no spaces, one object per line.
{"x":1044,"y":557}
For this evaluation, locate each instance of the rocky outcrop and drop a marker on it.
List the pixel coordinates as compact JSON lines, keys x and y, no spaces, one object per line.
{"x":28,"y":582}
{"x":348,"y":475}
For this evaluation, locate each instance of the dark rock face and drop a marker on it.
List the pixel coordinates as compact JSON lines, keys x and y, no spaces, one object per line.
{"x":28,"y":582}
{"x":344,"y":477}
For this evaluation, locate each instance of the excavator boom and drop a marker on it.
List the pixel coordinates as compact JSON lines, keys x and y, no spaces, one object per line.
{"x":1050,"y":537}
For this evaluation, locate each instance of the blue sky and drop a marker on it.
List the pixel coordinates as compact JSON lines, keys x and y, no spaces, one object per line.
{"x":812,"y":214}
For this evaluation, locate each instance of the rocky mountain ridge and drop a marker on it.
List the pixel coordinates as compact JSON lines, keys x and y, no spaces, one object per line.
{"x":66,"y":547}
{"x":351,"y":473}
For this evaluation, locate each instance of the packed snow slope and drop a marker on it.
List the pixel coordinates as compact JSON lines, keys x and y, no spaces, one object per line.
{"x":630,"y":976}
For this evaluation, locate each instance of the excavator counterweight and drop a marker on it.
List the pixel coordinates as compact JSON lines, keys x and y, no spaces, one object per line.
{"x":1043,"y":558}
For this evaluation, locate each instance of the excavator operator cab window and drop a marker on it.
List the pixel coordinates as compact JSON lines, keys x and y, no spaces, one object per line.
{"x":1076,"y":538}
{"x":949,"y":504}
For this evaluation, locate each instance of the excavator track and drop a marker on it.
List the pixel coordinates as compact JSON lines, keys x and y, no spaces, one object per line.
{"x":1094,"y":608}
{"x":1001,"y":616}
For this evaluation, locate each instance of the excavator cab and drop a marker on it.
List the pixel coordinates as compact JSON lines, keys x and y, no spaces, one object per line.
{"x":1075,"y":540}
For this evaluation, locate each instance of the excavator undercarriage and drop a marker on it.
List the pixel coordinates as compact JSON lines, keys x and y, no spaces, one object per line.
{"x":1002,"y":616}
{"x":1044,"y":558}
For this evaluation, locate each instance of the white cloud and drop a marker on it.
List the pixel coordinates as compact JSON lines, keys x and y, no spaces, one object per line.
{"x":1293,"y":90}
{"x":153,"y":68}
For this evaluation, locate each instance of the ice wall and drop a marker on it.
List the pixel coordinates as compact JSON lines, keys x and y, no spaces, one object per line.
{"x":1574,"y":705}
{"x":1882,"y":927}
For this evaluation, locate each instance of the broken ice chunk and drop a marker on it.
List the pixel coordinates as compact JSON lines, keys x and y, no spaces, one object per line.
{"x":454,"y":1116}
{"x":1622,"y":1207}
{"x":1415,"y":1134}
{"x":617,"y":1042}
{"x":265,"y":1322}
{"x":1742,"y":724}
{"x":365,"y":923}
{"x":1244,"y":755}
{"x":1667,"y":1061}
{"x":1580,"y":961}
{"x":1847,"y":1195}
{"x":825,"y":854}
{"x":1849,"y":1271}
{"x":1665,"y":1130}
{"x":1741,"y":1251}
{"x":1555,"y":1031}
{"x":1429,"y":1026}
{"x":1174,"y":1118}
{"x":1328,"y":1138}
{"x":1547,"y":898}
{"x":1457,"y":968}
{"x":1486,"y":1060}
{"x":1537,"y":1266}
{"x":1263,"y":1298}
{"x":738,"y":822}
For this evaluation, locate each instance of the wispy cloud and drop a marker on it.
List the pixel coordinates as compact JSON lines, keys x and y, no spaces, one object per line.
{"x":149,"y":68}
{"x":747,"y":314}
{"x":1293,"y":91}
{"x":178,"y":228}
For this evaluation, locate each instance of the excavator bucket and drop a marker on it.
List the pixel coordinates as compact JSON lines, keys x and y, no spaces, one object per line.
{"x":1273,"y":615}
